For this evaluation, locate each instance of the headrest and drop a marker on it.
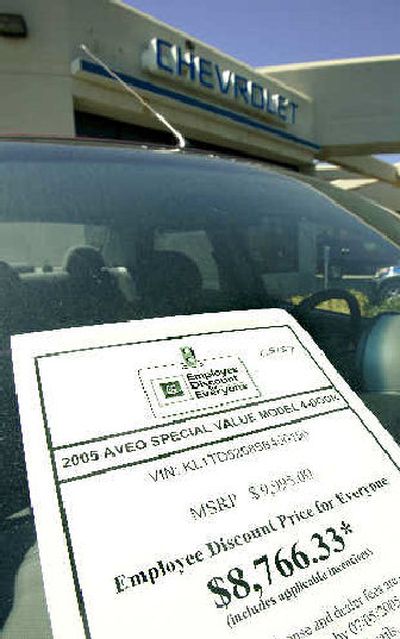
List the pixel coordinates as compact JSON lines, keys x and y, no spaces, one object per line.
{"x":84,"y":262}
{"x":8,"y":274}
{"x":168,"y":273}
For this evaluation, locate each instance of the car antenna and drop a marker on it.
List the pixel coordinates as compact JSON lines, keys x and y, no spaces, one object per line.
{"x":181,"y":143}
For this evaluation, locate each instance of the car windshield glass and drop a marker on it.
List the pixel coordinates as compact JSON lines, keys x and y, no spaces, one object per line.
{"x":94,"y":234}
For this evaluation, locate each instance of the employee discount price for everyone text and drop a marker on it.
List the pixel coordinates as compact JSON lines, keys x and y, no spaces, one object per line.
{"x":284,"y":563}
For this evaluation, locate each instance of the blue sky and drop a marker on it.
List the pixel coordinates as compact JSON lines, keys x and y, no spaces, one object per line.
{"x":269,"y":32}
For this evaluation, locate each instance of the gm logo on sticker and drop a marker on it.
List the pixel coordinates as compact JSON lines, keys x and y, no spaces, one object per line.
{"x":172,"y":389}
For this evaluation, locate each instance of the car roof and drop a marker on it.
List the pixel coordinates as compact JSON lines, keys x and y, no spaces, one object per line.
{"x":377,"y":217}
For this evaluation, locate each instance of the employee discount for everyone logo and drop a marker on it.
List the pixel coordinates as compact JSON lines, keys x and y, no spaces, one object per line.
{"x":194,"y":384}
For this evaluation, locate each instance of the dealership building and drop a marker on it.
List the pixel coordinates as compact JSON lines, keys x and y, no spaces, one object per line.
{"x":329,"y":118}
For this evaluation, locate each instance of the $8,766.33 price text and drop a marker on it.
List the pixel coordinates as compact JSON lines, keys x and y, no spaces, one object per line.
{"x":284,"y":563}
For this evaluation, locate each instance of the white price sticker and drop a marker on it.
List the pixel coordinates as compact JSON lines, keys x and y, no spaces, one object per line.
{"x":207,"y":476}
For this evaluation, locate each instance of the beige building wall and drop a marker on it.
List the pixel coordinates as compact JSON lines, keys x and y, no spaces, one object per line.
{"x":35,"y":79}
{"x":356,"y":102}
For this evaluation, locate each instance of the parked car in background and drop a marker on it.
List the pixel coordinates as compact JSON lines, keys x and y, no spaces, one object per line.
{"x":388,"y":283}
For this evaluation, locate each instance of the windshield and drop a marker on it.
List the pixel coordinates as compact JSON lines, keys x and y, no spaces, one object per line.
{"x":93,"y":234}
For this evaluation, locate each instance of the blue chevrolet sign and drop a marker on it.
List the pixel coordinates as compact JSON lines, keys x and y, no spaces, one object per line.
{"x":165,"y":58}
